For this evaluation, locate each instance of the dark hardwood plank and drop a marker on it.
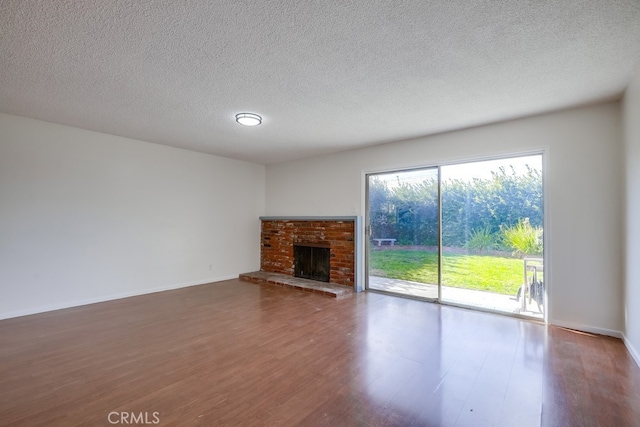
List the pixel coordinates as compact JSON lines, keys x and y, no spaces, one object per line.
{"x":236,"y":353}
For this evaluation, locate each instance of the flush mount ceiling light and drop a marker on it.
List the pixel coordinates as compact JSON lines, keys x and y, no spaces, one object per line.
{"x":248,"y":119}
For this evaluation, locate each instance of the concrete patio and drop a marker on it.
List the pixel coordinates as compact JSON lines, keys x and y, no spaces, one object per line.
{"x":481,"y":299}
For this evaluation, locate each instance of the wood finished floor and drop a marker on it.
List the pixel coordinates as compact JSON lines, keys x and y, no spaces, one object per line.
{"x":236,"y":353}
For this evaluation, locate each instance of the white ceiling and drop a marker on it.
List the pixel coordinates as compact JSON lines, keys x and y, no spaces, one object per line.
{"x":325,"y":75}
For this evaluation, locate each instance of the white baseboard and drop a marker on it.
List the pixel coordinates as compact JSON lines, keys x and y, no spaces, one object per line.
{"x":112,"y":297}
{"x":632,"y":350}
{"x":587,"y":328}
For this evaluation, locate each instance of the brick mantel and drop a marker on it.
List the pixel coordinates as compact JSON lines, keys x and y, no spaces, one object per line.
{"x":279,"y":234}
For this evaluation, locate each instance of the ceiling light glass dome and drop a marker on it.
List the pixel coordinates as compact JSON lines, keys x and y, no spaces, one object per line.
{"x":248,"y":119}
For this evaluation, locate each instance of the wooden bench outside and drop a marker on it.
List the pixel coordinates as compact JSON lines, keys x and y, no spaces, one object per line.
{"x":379,"y":242}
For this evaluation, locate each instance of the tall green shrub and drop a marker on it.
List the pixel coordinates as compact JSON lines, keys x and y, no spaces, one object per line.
{"x":409,"y":212}
{"x":481,"y":240}
{"x":523,"y":238}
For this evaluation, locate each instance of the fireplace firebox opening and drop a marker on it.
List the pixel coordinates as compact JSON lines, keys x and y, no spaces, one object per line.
{"x":312,"y":262}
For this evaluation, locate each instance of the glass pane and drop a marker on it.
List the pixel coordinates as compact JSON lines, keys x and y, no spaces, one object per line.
{"x":492,"y":219}
{"x":403,"y":243}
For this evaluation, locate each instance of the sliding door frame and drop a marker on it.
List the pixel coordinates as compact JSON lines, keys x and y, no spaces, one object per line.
{"x":367,"y":232}
{"x":545,"y":209}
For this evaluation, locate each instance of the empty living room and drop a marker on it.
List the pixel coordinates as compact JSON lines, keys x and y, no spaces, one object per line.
{"x":289,"y":213}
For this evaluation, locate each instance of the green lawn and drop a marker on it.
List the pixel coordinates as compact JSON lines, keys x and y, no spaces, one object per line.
{"x":485,"y":273}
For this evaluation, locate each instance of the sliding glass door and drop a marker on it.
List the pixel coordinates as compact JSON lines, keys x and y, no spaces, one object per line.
{"x":466,"y":234}
{"x":403,"y":228}
{"x":492,"y":219}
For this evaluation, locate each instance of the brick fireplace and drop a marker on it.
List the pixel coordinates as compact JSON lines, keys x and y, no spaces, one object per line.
{"x":279,"y":236}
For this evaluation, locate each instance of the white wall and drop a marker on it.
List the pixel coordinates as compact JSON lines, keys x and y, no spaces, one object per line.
{"x":86,"y":216}
{"x":631,"y":117}
{"x":583,"y":187}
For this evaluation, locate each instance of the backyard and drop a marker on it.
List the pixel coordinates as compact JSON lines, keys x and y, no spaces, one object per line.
{"x":498,"y":274}
{"x":488,"y":216}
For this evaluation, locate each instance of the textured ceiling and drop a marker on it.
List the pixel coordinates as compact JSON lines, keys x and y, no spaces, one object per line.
{"x":326,"y":76}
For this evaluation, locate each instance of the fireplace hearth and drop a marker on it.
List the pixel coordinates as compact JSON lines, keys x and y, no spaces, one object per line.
{"x":332,"y":240}
{"x":312,"y":254}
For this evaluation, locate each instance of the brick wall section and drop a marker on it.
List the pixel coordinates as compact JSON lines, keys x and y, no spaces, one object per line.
{"x":278,"y":237}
